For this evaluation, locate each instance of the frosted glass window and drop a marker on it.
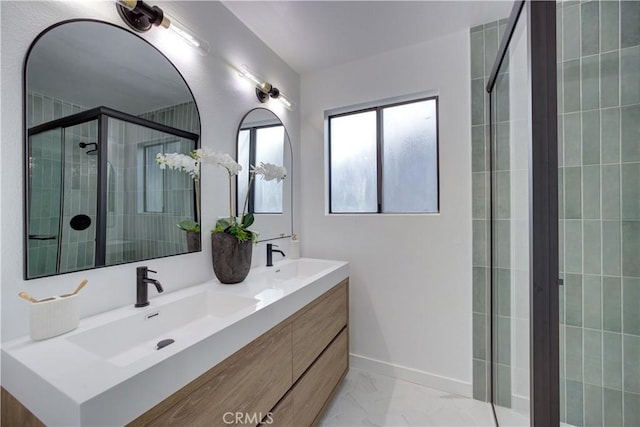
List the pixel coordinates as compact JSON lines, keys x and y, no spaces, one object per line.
{"x":385,"y":159}
{"x":409,"y":150}
{"x":269,"y":149}
{"x":354,"y":178}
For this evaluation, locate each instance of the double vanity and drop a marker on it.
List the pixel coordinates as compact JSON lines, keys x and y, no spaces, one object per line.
{"x":270,"y":350}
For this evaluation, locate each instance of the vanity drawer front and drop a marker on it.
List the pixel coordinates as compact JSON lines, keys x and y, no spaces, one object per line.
{"x":312,"y":392}
{"x":282,"y":414}
{"x":15,"y":414}
{"x":249,"y":383}
{"x":317,"y":325}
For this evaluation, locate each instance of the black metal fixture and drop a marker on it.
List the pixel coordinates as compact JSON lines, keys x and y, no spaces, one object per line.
{"x":142,"y":284}
{"x":84,"y":145}
{"x":140,"y":17}
{"x":270,"y":252}
{"x":265,"y":90}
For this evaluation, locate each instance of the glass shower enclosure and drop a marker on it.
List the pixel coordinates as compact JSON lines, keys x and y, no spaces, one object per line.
{"x":524,"y":220}
{"x":91,"y":178}
{"x":565,"y":215}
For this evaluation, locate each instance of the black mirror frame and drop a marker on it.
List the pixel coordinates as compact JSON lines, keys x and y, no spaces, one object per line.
{"x":289,"y":171}
{"x":25,"y":139}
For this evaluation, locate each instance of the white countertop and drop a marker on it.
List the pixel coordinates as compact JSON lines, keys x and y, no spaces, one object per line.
{"x":64,"y":384}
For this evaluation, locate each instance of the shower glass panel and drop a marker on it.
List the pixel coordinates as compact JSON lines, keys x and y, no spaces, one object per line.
{"x":45,"y":183}
{"x":79,"y":198}
{"x":510,"y":229}
{"x":96,"y":195}
{"x":63,"y":176}
{"x":141,"y":221}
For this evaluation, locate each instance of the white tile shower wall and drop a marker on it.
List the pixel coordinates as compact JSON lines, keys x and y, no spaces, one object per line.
{"x":410,"y":274}
{"x":223,"y":99}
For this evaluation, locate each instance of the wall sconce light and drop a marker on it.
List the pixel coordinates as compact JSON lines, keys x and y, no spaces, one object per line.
{"x":265,"y":90}
{"x":140,"y":16}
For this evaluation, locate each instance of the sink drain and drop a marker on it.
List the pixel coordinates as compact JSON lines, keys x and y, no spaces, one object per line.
{"x":164,"y":343}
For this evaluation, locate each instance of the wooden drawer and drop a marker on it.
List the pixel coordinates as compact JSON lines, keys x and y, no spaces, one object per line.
{"x":249,"y":382}
{"x":14,"y":414}
{"x":317,"y":325}
{"x":317,"y":385}
{"x":282,"y":414}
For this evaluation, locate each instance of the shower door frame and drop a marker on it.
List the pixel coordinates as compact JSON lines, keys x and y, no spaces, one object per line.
{"x":544,"y":322}
{"x":102,"y":115}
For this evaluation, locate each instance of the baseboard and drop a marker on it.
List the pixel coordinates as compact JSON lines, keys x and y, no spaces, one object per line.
{"x":415,"y":376}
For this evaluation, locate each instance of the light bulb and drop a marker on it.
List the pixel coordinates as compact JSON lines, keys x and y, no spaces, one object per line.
{"x":244,"y":72}
{"x":179,"y":29}
{"x":287,"y":103}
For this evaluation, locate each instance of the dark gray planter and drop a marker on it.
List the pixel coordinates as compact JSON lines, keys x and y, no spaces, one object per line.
{"x":231,"y":258}
{"x":193,"y":241}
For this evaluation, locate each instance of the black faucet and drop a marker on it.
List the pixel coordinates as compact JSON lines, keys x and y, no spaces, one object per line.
{"x":142,"y":283}
{"x":270,"y":252}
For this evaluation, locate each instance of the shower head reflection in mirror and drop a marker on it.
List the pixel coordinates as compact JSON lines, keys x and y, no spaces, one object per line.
{"x":93,"y":129}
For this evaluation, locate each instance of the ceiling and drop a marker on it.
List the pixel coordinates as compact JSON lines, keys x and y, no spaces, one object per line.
{"x":313,"y":35}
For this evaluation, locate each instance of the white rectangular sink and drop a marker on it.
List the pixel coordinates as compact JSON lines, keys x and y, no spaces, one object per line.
{"x":300,"y":269}
{"x":86,"y":372}
{"x":131,"y":338}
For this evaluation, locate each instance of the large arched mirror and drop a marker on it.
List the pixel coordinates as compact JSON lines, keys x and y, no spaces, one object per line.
{"x":100,"y":103}
{"x":262,"y":138}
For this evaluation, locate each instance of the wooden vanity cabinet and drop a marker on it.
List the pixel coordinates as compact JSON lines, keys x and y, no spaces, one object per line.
{"x":282,"y":415}
{"x":251,"y":381}
{"x":15,"y":414}
{"x":313,"y":392}
{"x":316,"y":325}
{"x":285,"y":377}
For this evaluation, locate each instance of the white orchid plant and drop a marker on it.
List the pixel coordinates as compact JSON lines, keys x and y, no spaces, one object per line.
{"x":240,"y":227}
{"x":191,"y":164}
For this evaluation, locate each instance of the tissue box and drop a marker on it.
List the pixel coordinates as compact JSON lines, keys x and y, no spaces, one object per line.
{"x":53,"y":317}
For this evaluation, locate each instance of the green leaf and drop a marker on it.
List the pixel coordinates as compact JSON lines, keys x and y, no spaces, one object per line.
{"x":189,"y":225}
{"x":222,"y":224}
{"x":247,"y":220}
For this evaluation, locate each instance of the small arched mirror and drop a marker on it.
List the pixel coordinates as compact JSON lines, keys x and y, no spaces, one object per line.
{"x":262,"y":138}
{"x":100,"y":103}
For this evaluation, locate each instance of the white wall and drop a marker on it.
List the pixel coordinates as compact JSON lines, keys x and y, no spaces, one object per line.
{"x":223,"y":98}
{"x":410,"y":275}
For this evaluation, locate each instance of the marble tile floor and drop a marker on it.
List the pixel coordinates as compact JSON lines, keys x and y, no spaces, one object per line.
{"x":368,"y":399}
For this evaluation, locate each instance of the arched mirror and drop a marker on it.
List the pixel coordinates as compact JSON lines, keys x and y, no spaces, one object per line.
{"x":262,"y":138}
{"x":100,"y":103}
